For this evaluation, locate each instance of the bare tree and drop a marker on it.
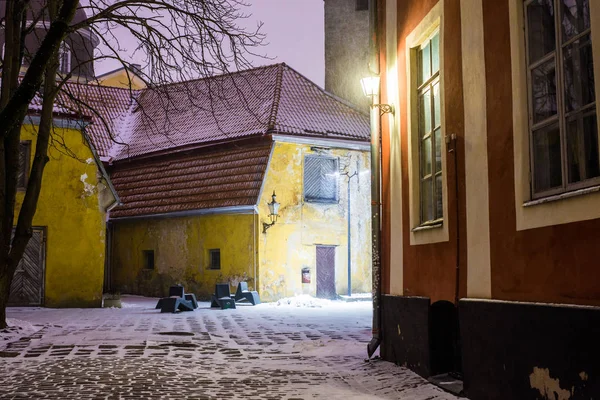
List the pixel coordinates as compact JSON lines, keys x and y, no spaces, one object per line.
{"x":180,"y":40}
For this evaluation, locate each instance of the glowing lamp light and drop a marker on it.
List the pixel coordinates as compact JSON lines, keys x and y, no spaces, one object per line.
{"x":370,"y":86}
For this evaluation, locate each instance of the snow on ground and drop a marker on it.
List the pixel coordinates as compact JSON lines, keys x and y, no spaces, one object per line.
{"x":16,"y":330}
{"x":297,"y":348}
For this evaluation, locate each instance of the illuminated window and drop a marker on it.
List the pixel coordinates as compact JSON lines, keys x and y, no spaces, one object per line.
{"x":321,"y":179}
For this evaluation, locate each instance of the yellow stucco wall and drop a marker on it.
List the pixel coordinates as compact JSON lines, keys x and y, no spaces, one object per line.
{"x":181,"y":253}
{"x":290,"y":244}
{"x":120,"y":79}
{"x":74,"y":223}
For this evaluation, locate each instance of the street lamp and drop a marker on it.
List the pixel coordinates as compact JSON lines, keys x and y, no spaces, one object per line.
{"x":273,"y":212}
{"x":370,"y":87}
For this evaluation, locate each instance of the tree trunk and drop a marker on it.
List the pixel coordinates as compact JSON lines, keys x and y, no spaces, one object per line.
{"x":5,"y":282}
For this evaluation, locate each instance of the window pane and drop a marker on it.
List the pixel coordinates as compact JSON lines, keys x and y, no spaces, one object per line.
{"x":543,"y":91}
{"x":435,"y":53}
{"x":425,"y":113}
{"x":582,"y":148}
{"x":437,"y":112}
{"x":426,"y":200}
{"x":426,"y":157}
{"x":541,"y":31}
{"x":439,"y":207}
{"x":547,"y":158}
{"x":438,"y":149}
{"x":579,"y":74}
{"x":575,"y":17}
{"x":424,"y":63}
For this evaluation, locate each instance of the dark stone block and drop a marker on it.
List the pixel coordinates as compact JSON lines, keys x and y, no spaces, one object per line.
{"x":406,"y":332}
{"x":509,"y":347}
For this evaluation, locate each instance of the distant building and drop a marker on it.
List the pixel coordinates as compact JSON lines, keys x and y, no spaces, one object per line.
{"x":76,"y":54}
{"x":347,"y":49}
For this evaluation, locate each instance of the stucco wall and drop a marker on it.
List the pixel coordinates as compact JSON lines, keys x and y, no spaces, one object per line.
{"x":346,"y":51}
{"x":181,"y":253}
{"x":290,"y":244}
{"x":68,"y":208}
{"x":428,"y":269}
{"x":555,"y":263}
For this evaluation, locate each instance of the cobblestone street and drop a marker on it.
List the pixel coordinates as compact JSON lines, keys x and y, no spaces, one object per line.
{"x":263,"y":352}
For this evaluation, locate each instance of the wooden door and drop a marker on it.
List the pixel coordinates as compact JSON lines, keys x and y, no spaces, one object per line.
{"x":326,"y":272}
{"x":27,"y":287}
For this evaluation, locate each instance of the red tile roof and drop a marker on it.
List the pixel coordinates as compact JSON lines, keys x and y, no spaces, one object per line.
{"x":223,"y":177}
{"x":271,"y":99}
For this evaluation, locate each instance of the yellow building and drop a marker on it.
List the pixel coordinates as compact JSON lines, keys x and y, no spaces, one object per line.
{"x":64,"y":261}
{"x":195,"y":183}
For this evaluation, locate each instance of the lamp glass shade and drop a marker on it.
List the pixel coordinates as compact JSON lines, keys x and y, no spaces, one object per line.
{"x":370,"y":85}
{"x":273,"y":205}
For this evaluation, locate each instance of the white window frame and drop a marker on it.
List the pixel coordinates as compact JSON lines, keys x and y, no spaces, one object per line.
{"x":578,"y":205}
{"x":433,"y":231}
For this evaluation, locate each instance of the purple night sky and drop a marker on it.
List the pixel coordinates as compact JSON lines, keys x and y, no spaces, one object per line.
{"x":294,"y":30}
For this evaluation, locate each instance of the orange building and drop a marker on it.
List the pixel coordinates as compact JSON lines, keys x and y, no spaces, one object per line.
{"x":491,"y":193}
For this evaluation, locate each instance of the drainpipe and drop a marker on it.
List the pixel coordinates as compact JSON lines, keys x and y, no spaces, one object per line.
{"x":350,"y":233}
{"x":375,"y":187}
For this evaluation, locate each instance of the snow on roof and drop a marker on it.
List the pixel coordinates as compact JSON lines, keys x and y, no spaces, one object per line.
{"x":255,"y":102}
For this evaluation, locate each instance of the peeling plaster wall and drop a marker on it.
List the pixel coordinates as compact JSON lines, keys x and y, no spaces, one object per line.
{"x":181,"y":253}
{"x":290,"y":244}
{"x":69,"y":209}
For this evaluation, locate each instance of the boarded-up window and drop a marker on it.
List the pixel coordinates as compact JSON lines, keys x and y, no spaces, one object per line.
{"x":215,"y":259}
{"x":23,"y":173}
{"x":148,"y":259}
{"x":362,"y":5}
{"x":321,"y":179}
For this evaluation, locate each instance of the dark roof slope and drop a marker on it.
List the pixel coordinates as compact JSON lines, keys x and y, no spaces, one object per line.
{"x":271,"y":99}
{"x":219,"y":178}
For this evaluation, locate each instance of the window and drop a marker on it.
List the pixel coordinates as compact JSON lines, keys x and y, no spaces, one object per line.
{"x":64,"y":58}
{"x":148,"y":256}
{"x":430,"y":130}
{"x":362,"y":5}
{"x":214,"y":259}
{"x":321,"y":179}
{"x":24,"y":159}
{"x":563,"y":132}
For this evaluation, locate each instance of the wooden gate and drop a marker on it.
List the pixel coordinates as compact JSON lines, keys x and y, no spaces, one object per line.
{"x":326,"y":272}
{"x":27,"y":287}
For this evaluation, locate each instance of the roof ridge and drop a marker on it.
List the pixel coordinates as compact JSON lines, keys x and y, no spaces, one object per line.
{"x":276,"y":97}
{"x":222,"y":75}
{"x":333,"y":96}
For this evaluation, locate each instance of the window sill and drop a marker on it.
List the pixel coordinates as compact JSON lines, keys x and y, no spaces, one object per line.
{"x":562,"y":196}
{"x":429,"y":226}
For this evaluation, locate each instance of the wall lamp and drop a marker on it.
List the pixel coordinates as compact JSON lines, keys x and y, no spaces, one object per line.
{"x":370,"y":87}
{"x":273,"y":210}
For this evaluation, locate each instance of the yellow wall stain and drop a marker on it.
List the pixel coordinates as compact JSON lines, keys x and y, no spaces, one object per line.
{"x":548,"y":387}
{"x":73,"y":219}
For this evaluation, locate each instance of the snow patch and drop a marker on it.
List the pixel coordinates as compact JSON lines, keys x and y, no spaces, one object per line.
{"x":16,"y":330}
{"x":303,"y":300}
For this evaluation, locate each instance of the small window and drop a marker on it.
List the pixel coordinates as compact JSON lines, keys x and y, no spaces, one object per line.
{"x":148,"y":259}
{"x":362,"y":5}
{"x":321,"y":179}
{"x":64,"y":58}
{"x":24,"y":157}
{"x":215,"y":259}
